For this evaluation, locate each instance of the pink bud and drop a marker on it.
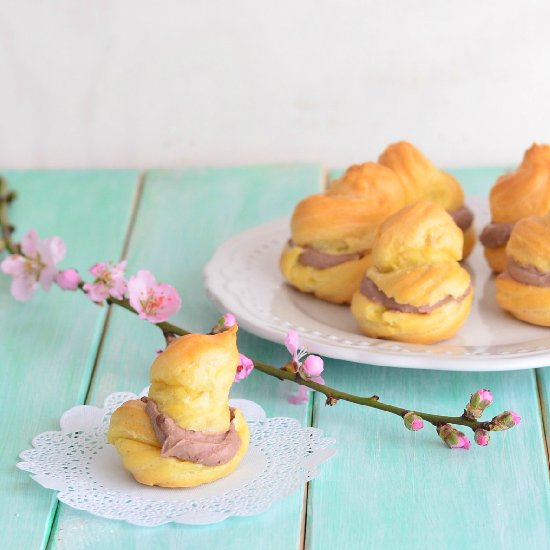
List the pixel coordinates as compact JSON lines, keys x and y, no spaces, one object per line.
{"x":244,"y":368}
{"x":481,"y":437}
{"x":313,"y":366}
{"x":463,"y":442}
{"x":413,"y":422}
{"x":479,"y":401}
{"x":485,"y":396}
{"x":452,"y":437}
{"x":506,"y":420}
{"x":229,"y":320}
{"x":68,"y":279}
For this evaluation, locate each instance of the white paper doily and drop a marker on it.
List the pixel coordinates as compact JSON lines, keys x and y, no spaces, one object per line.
{"x":87,"y":471}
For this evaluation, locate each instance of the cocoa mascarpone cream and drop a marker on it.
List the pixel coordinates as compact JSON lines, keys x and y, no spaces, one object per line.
{"x":321,"y":260}
{"x":209,"y":449}
{"x":527,"y":274}
{"x":373,"y":293}
{"x":463,"y":217}
{"x":495,"y":235}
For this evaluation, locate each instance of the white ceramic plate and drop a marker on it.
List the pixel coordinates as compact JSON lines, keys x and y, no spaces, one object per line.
{"x":243,"y":277}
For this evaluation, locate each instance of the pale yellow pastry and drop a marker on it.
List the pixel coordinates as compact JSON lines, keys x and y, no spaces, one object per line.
{"x":415,"y":291}
{"x":332,"y":233}
{"x":423,"y":181}
{"x":523,"y":288}
{"x":184,"y":434}
{"x":524,"y":192}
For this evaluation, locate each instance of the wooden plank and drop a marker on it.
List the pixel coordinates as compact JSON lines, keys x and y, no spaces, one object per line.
{"x":183,"y":217}
{"x":48,"y":345}
{"x":408,"y":490}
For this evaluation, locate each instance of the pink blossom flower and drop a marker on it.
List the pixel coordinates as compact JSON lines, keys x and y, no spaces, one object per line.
{"x":308,"y":367}
{"x":453,"y":438}
{"x":292,"y":343}
{"x":109,"y":281}
{"x":413,"y":422}
{"x":244,"y":368}
{"x":153,"y":301}
{"x":481,"y":437}
{"x":35,"y":266}
{"x":69,"y":279}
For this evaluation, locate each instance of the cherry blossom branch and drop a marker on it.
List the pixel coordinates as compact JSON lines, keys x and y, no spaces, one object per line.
{"x":33,"y":262}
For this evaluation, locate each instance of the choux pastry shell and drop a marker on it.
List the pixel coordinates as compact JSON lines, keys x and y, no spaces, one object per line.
{"x":333,"y":232}
{"x":523,"y":288}
{"x":423,"y":181}
{"x":522,"y":193}
{"x":190,"y":384}
{"x":415,"y":291}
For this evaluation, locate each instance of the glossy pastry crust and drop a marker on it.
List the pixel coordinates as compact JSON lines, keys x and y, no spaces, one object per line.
{"x":415,"y":263}
{"x":519,"y":194}
{"x":342,"y":221}
{"x":529,"y":248}
{"x":190,"y":382}
{"x":423,"y":181}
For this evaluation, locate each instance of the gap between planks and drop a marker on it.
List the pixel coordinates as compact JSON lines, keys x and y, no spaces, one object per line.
{"x":543,"y":417}
{"x":136,"y":201}
{"x":324,"y":182}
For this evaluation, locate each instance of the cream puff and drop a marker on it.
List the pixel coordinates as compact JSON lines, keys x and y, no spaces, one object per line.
{"x":423,"y":181}
{"x":332,"y":233}
{"x":184,"y":433}
{"x":522,"y":193}
{"x":415,"y":291}
{"x":523,"y":288}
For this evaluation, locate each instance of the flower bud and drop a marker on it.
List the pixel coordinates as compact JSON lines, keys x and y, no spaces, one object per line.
{"x":479,"y":401}
{"x":453,"y":438}
{"x":68,"y":279}
{"x":481,"y":437}
{"x":244,"y":368}
{"x":226,"y":321}
{"x":313,"y":366}
{"x":413,"y":422}
{"x":505,"y":421}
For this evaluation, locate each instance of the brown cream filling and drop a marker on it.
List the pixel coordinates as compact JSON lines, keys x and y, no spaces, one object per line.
{"x":495,"y":235}
{"x":373,"y":293}
{"x":209,"y":449}
{"x":527,"y":274}
{"x":321,"y":260}
{"x":463,"y":217}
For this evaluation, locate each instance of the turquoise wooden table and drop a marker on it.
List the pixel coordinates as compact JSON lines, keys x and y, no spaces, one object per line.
{"x":385,"y":488}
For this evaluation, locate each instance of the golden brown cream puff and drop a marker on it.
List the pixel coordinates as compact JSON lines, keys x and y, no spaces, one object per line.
{"x":523,"y":288}
{"x":184,"y":433}
{"x":333,"y":232}
{"x":423,"y":181}
{"x":415,"y":291}
{"x":522,"y":193}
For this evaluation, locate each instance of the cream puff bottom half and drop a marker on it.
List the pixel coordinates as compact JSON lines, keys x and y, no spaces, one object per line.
{"x":496,"y":258}
{"x":333,"y":284}
{"x":525,"y":302}
{"x":131,"y":433}
{"x":419,"y":328}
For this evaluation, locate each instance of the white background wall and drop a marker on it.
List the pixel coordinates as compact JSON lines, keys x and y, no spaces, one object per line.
{"x":173,"y":82}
